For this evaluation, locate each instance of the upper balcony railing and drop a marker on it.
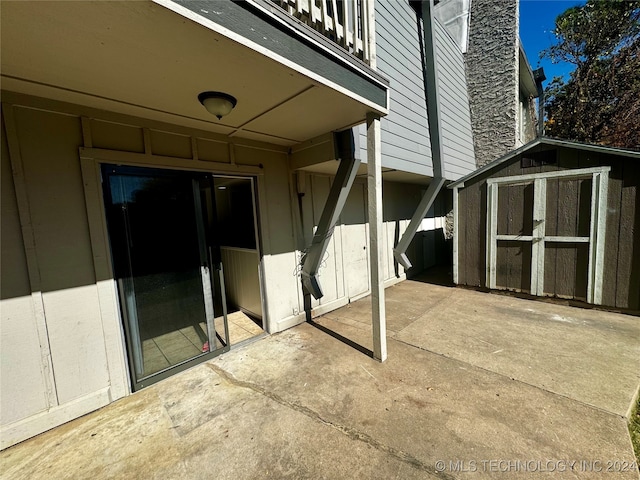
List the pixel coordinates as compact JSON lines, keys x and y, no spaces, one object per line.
{"x":345,"y":22}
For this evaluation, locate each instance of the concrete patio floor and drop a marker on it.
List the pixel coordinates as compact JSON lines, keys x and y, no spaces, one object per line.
{"x":476,"y":386}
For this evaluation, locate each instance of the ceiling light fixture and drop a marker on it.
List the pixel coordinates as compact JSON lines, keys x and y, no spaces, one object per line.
{"x":217,"y":103}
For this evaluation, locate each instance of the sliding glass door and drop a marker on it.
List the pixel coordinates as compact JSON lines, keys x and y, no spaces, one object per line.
{"x":162,"y":231}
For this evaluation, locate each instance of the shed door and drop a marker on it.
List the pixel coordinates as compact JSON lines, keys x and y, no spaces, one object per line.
{"x":545,"y":233}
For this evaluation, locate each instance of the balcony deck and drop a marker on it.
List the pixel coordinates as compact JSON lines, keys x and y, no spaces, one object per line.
{"x":345,"y":22}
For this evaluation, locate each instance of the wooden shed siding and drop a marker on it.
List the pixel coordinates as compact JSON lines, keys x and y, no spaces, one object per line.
{"x":613,"y":232}
{"x":565,"y":264}
{"x":627,"y":272}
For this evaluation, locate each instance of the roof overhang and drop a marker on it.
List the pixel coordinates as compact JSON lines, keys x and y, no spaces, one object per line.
{"x":144,"y":59}
{"x":526,"y":78}
{"x":543,"y":142}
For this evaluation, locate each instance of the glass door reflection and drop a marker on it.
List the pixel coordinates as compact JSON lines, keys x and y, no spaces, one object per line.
{"x":162,"y":238}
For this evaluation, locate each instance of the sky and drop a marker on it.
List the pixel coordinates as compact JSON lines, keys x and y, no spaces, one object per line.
{"x":537,"y":20}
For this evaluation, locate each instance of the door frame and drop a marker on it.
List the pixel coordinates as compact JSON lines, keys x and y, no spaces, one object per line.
{"x":91,"y":160}
{"x":597,"y":228}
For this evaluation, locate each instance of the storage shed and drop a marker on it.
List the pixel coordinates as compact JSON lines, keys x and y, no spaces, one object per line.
{"x":552,"y":218}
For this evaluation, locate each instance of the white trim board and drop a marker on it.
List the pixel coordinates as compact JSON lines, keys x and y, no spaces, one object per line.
{"x":562,"y":174}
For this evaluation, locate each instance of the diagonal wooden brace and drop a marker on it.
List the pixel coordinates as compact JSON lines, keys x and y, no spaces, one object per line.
{"x":430,"y":195}
{"x":345,"y":176}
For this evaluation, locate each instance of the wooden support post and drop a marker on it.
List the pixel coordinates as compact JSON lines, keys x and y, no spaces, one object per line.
{"x":374,"y":186}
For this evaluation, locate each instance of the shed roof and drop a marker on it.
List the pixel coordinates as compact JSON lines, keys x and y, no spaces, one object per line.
{"x":550,"y":141}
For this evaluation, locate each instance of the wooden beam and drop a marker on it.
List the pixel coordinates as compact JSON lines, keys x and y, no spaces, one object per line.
{"x":563,"y":174}
{"x":547,"y":238}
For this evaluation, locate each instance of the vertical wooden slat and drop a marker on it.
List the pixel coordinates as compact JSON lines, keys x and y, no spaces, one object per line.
{"x":325,"y":16}
{"x":354,"y":27}
{"x":537,"y":249}
{"x":566,"y":225}
{"x":345,"y":25}
{"x":336,"y":22}
{"x":368,"y":39}
{"x":476,"y":261}
{"x":515,"y":215}
{"x":599,"y":191}
{"x":28,"y":236}
{"x":551,"y":229}
{"x":456,"y":235}
{"x":316,"y":13}
{"x":626,"y":243}
{"x":462,"y":237}
{"x":612,"y":237}
{"x":503,"y":227}
{"x":628,"y":268}
{"x":492,"y":228}
{"x":592,"y":237}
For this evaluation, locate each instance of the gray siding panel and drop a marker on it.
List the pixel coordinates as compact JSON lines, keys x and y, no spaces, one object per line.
{"x":406,"y":143}
{"x":457,"y":139}
{"x":405,"y":134}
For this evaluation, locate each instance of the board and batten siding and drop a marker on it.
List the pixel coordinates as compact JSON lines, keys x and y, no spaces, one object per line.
{"x":60,"y":333}
{"x":344,"y":271}
{"x":406,"y":142}
{"x":565,"y":268}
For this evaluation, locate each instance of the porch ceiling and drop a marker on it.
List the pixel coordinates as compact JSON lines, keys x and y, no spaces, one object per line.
{"x":142,"y":59}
